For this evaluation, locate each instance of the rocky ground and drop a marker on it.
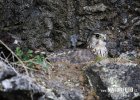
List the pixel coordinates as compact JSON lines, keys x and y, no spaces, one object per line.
{"x":96,"y":79}
{"x":62,"y":29}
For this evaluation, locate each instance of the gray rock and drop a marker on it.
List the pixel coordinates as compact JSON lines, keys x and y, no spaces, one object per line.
{"x":74,"y":39}
{"x":113,"y":53}
{"x":77,"y":56}
{"x":121,"y":81}
{"x":14,"y":86}
{"x":111,"y":45}
{"x":96,"y":8}
{"x":63,"y":93}
{"x":6,"y":71}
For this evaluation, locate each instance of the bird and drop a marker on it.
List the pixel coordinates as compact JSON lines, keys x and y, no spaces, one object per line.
{"x":97,"y":44}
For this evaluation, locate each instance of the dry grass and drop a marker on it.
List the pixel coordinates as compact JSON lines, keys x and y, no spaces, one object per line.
{"x":23,"y":65}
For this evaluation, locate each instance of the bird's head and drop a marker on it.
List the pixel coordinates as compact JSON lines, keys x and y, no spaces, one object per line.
{"x":100,"y":36}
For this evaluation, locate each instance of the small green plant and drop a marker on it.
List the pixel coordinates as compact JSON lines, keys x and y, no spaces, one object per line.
{"x":98,"y":58}
{"x":30,"y":59}
{"x":24,"y":55}
{"x":19,"y":52}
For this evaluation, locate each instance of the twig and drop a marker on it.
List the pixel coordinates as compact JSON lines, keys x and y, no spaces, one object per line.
{"x":26,"y":67}
{"x":8,"y":64}
{"x":16,"y":57}
{"x":49,"y":69}
{"x":48,"y":62}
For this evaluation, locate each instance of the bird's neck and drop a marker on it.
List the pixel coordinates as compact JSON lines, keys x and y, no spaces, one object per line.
{"x":101,"y":43}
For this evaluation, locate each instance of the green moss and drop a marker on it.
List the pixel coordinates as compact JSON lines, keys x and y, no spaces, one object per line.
{"x":99,"y":58}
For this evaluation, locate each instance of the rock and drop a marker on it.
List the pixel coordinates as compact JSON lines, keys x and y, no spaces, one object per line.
{"x":120,"y":81}
{"x":63,"y":93}
{"x":136,"y":36}
{"x":113,"y":53}
{"x":21,"y":86}
{"x":49,"y":24}
{"x":74,"y":39}
{"x":111,"y":45}
{"x":6,"y":71}
{"x":15,"y":86}
{"x":96,"y":8}
{"x":129,"y":55}
{"x":124,"y":46}
{"x":77,"y":56}
{"x":67,"y":95}
{"x":97,"y":84}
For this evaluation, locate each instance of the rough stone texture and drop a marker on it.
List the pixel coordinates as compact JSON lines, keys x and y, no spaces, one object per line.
{"x":14,"y":86}
{"x":63,"y":93}
{"x":21,"y":86}
{"x":77,"y":56}
{"x":48,"y":24}
{"x":119,"y":81}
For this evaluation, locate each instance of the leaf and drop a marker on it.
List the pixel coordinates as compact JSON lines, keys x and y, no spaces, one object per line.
{"x":19,"y":52}
{"x":30,"y":64}
{"x":30,"y":52}
{"x":25,"y":58}
{"x":45,"y":65}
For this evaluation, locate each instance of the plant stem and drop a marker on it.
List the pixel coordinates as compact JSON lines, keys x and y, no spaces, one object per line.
{"x":16,"y":57}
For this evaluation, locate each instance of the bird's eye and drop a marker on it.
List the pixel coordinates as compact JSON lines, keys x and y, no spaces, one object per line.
{"x":97,"y":35}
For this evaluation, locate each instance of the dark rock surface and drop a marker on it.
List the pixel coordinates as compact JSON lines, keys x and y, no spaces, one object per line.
{"x":119,"y":81}
{"x":48,"y":25}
